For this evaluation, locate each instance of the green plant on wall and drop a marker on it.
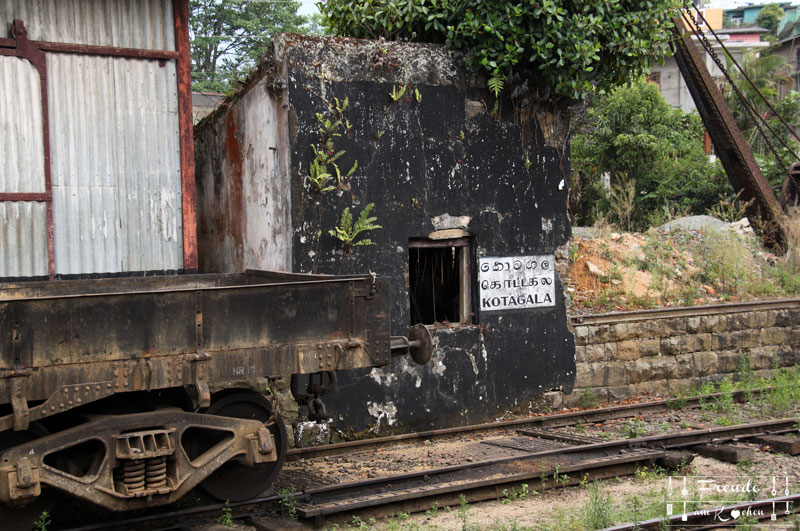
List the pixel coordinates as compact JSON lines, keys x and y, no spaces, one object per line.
{"x":324,"y":167}
{"x":397,"y":93}
{"x":325,"y":175}
{"x":319,"y":178}
{"x":348,"y":231}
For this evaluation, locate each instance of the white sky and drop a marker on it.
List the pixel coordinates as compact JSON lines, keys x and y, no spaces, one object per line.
{"x":727,"y":4}
{"x":308,"y":7}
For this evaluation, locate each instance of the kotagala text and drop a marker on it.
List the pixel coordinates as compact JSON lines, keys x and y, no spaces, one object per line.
{"x":516,"y":282}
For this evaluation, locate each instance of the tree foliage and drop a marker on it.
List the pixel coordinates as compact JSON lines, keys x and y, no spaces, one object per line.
{"x":574,"y":47}
{"x":770,"y":17}
{"x":229,"y":37}
{"x":638,"y":141}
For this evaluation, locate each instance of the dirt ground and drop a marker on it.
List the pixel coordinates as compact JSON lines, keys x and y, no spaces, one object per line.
{"x":565,"y":508}
{"x":613,"y":271}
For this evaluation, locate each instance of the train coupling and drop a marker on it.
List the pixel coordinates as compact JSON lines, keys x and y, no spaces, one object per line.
{"x":124,"y":462}
{"x":419,"y":344}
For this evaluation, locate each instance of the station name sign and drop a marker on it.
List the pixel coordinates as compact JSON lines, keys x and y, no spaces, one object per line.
{"x":516,"y":282}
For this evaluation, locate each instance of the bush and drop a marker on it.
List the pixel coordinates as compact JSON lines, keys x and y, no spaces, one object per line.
{"x":633,"y":136}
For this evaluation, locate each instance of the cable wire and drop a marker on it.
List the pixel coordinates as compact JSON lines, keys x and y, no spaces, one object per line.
{"x":758,"y":120}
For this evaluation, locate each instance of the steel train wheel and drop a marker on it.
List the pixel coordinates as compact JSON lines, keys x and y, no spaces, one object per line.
{"x":234,"y":481}
{"x":25,"y":517}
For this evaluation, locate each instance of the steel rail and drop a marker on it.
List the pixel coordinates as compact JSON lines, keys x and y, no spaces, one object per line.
{"x":690,"y":311}
{"x":404,"y":487}
{"x":185,"y":517}
{"x":416,"y":486}
{"x":545,"y":421}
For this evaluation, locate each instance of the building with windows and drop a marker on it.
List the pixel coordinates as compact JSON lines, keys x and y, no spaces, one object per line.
{"x":746,"y":14}
{"x":737,"y":42}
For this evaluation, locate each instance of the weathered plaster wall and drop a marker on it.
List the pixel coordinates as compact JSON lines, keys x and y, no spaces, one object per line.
{"x":448,"y":153}
{"x":243,"y":189}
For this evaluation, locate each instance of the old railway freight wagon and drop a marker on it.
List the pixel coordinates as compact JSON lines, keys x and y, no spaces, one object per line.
{"x":111,"y":346}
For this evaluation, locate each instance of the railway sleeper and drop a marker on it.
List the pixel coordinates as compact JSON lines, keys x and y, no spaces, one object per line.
{"x":124,"y":462}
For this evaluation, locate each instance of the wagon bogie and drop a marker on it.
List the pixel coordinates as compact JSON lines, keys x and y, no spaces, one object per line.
{"x":129,"y":366}
{"x":132,"y":461}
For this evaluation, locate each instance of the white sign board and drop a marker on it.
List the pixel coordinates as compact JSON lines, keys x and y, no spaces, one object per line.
{"x":516,"y":282}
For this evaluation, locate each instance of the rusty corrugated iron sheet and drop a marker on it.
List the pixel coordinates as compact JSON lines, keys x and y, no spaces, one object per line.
{"x":116,"y":164}
{"x":95,"y":22}
{"x":110,"y":108}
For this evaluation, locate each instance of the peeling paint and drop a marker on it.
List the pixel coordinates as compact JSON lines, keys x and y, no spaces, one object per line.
{"x":383,"y":413}
{"x":471,"y":357}
{"x":437,"y":362}
{"x":442,"y":161}
{"x":309,"y":433}
{"x":382,"y":376}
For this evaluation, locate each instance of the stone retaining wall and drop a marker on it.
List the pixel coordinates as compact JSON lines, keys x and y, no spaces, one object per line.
{"x":662,"y":355}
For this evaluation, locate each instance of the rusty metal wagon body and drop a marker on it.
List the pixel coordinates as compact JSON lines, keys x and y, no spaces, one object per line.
{"x":111,"y":379}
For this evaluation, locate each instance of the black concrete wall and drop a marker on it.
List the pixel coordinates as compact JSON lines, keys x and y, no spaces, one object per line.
{"x":452,"y":153}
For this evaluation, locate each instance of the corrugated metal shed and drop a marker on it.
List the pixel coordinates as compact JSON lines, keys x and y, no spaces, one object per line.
{"x":124,"y":23}
{"x":114,"y":201}
{"x":115,"y":164}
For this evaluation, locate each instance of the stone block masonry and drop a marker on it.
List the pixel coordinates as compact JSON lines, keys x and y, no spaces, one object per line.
{"x":624,"y":356}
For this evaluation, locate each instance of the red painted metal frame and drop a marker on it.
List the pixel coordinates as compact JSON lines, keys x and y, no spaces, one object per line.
{"x":32,"y":197}
{"x":132,"y":53}
{"x":180,"y":9}
{"x":34,"y":52}
{"x":27,"y":50}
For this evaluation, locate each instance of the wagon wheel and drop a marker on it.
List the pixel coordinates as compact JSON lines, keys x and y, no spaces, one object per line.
{"x":234,"y":481}
{"x":24,"y":517}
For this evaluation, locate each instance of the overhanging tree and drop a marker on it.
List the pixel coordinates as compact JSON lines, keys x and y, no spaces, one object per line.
{"x":229,"y":37}
{"x":574,"y":47}
{"x":770,"y":17}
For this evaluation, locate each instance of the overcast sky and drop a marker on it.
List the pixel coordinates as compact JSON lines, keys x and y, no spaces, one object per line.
{"x":727,"y":4}
{"x":308,"y":7}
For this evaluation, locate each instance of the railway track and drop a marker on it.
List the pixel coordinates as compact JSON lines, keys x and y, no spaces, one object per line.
{"x":544,"y":460}
{"x":557,"y":420}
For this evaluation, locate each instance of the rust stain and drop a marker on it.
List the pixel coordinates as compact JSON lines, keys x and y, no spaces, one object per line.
{"x":234,"y":223}
{"x":184,"y":85}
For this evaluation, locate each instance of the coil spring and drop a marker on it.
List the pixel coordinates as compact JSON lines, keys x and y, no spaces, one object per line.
{"x":133,"y":475}
{"x":156,"y":472}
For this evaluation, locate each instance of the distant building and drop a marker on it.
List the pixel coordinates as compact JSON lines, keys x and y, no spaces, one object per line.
{"x":746,"y":14}
{"x":204,"y":103}
{"x":711,"y":19}
{"x":671,"y":84}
